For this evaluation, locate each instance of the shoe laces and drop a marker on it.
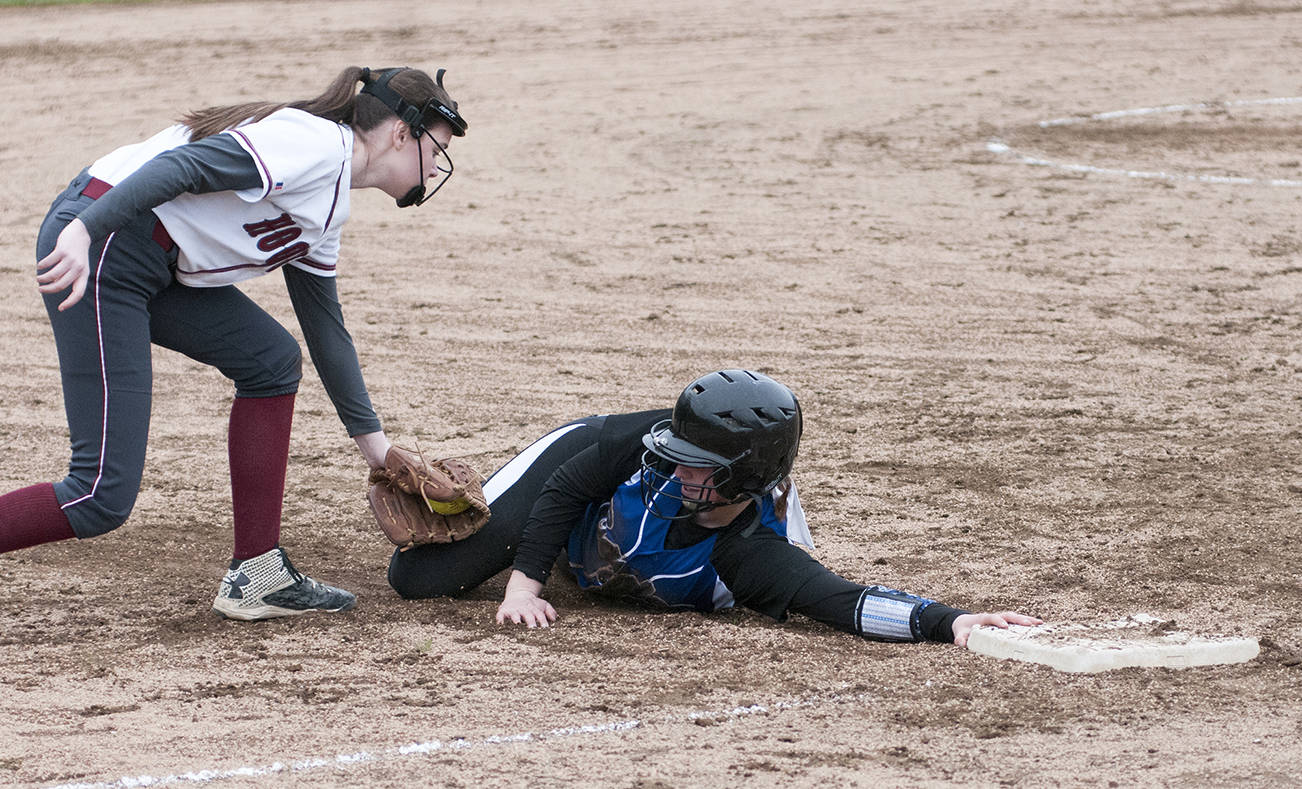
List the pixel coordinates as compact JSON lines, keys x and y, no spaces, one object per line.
{"x":291,"y":569}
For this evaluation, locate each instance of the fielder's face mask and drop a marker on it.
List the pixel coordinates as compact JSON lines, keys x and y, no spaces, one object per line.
{"x":420,"y":120}
{"x":665,"y":452}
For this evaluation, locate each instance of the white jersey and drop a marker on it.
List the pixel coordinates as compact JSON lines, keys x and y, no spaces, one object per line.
{"x":294,"y":218}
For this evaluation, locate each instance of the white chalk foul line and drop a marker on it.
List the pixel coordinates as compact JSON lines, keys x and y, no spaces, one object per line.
{"x":1000,"y":147}
{"x":435,"y":746}
{"x":1200,"y":106}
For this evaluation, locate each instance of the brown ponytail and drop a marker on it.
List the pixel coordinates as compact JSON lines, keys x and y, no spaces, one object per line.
{"x":780,"y":495}
{"x":339,"y":103}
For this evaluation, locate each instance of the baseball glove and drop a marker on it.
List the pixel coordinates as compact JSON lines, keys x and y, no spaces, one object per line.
{"x":416,"y":502}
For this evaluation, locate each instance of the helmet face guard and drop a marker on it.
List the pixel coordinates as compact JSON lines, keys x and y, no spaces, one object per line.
{"x":664,"y":495}
{"x":420,"y":119}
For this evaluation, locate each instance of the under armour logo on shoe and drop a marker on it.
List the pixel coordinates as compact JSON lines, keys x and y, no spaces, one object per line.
{"x":236,"y":586}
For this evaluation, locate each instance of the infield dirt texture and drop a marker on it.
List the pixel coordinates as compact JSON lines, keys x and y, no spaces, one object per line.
{"x":1025,"y":387}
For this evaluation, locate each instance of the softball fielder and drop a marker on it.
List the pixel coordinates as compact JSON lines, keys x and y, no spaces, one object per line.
{"x":145,"y":246}
{"x":689,"y":509}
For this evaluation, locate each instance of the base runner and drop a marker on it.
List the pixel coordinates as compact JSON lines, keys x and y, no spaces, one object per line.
{"x":689,"y":509}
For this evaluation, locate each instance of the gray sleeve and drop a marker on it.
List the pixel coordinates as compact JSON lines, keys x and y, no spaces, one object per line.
{"x":213,"y":164}
{"x":316,"y":303}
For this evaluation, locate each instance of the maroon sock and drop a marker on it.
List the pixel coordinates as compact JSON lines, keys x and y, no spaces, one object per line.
{"x":31,"y":516}
{"x":258,"y":445}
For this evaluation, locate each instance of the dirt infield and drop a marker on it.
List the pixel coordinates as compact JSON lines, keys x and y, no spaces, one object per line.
{"x":1074,"y":393}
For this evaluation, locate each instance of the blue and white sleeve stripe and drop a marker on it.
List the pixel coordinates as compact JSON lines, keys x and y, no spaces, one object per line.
{"x":889,"y":614}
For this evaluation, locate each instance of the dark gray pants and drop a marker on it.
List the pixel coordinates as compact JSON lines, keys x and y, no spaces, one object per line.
{"x":131,"y":300}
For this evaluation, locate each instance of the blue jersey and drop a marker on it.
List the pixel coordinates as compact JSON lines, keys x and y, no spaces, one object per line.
{"x":618,"y":550}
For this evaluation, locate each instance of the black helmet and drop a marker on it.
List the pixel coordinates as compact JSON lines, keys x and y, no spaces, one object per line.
{"x":743,"y":423}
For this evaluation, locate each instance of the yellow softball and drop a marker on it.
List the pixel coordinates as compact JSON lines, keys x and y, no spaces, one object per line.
{"x":448,"y":507}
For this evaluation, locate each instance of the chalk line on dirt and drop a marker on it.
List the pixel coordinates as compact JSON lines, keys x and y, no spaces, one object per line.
{"x":397,"y":753}
{"x":1000,"y":147}
{"x":1200,"y":106}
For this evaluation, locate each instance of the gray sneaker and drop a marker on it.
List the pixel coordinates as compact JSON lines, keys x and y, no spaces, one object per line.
{"x":268,"y":586}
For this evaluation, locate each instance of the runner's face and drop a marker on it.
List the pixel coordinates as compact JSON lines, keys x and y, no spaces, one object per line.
{"x":694,"y":482}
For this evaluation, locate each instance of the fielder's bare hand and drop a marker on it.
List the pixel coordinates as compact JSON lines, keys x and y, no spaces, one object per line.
{"x":68,"y":264}
{"x":964,"y":623}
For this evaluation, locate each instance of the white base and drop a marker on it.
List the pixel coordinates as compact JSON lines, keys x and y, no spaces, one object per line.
{"x":1137,"y":640}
